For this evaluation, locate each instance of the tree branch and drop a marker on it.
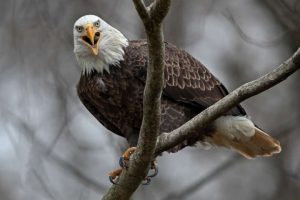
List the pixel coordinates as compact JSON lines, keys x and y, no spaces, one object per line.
{"x":159,"y":10}
{"x":175,"y":137}
{"x":130,"y":179}
{"x":141,"y":9}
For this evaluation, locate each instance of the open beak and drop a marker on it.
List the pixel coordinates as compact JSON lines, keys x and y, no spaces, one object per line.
{"x":91,"y":38}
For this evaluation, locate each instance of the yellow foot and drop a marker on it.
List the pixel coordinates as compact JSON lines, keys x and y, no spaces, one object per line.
{"x":124,"y":163}
{"x":113,"y":176}
{"x":124,"y":159}
{"x":153,"y":167}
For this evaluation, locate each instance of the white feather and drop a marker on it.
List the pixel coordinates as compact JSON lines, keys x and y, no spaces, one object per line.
{"x":235,"y":126}
{"x":111,"y":47}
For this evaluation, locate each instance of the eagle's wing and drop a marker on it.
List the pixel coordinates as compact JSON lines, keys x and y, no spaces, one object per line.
{"x":186,"y":79}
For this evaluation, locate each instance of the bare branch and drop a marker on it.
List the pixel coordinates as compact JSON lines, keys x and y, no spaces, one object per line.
{"x":139,"y":165}
{"x":159,"y":10}
{"x":142,"y":10}
{"x":168,"y":140}
{"x":155,"y":13}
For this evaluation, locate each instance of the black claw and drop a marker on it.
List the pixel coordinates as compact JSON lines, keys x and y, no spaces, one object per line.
{"x":112,"y":180}
{"x":124,"y":164}
{"x":148,"y":180}
{"x":155,"y":172}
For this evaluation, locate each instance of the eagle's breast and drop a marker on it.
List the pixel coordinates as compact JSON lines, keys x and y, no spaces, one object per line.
{"x":115,"y":98}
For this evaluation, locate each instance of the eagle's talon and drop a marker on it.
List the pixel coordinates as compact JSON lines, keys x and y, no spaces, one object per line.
{"x":153,"y":167}
{"x":155,"y":172}
{"x":112,"y":179}
{"x":114,"y":175}
{"x":124,"y":159}
{"x":123,"y":162}
{"x":148,"y":180}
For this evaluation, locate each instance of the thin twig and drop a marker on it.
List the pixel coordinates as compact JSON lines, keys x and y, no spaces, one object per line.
{"x":141,"y":9}
{"x":159,"y":10}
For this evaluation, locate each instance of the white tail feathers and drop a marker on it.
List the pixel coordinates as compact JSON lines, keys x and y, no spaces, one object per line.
{"x":240,"y":134}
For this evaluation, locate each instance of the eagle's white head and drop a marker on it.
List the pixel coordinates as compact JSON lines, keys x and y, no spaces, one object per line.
{"x":97,"y":44}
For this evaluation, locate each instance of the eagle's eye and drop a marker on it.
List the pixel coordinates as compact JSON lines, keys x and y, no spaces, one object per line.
{"x":97,"y":23}
{"x":79,"y":29}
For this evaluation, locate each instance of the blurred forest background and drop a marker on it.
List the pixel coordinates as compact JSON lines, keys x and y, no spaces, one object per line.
{"x":51,"y":147}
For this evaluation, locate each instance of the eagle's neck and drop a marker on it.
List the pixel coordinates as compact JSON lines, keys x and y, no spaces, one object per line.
{"x":111,"y":52}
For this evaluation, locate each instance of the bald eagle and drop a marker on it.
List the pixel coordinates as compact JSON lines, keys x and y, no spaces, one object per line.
{"x":113,"y":79}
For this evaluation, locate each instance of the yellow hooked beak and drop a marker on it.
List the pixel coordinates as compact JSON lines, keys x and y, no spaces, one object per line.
{"x":91,"y":38}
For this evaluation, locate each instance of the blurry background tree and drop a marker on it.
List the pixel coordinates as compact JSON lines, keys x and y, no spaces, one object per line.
{"x":52,"y":148}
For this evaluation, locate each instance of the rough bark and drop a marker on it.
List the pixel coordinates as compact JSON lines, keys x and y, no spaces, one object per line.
{"x":131,"y":178}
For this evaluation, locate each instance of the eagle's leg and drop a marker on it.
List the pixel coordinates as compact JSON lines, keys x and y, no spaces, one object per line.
{"x":114,"y":175}
{"x":153,"y":167}
{"x":124,"y":159}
